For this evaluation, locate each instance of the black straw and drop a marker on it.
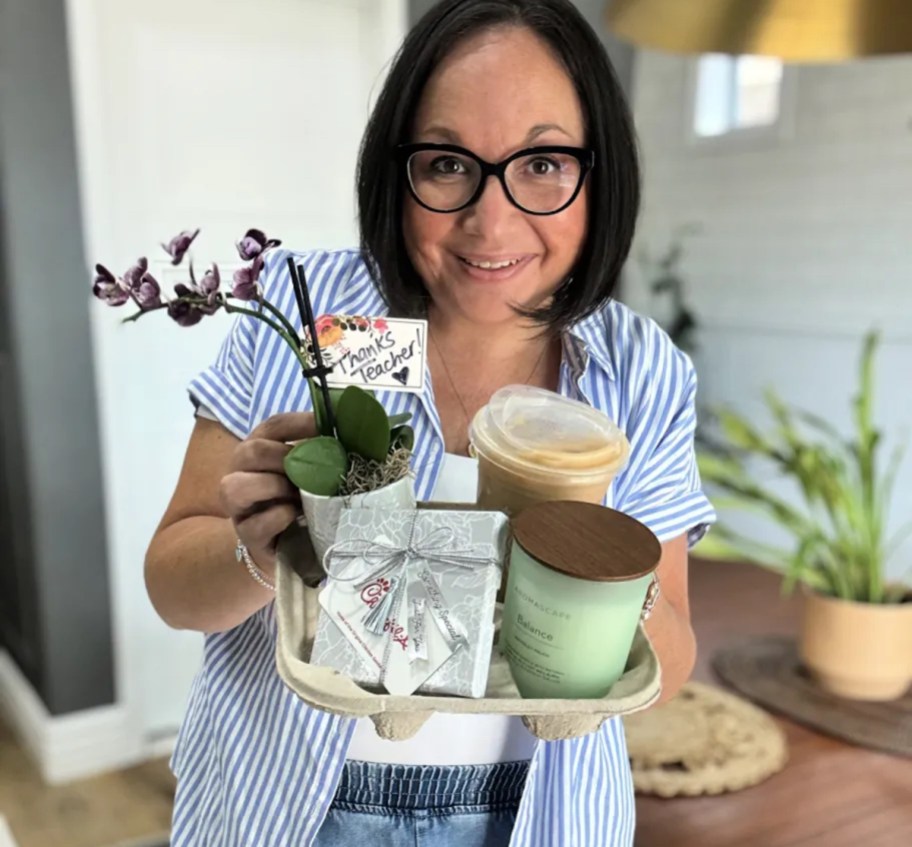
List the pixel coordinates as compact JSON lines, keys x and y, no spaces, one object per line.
{"x":307,"y":319}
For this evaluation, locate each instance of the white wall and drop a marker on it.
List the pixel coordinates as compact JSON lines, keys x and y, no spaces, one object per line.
{"x":805,"y":241}
{"x":221,"y":114}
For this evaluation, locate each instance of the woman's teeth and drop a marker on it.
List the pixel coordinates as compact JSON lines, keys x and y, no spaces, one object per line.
{"x":492,"y":266}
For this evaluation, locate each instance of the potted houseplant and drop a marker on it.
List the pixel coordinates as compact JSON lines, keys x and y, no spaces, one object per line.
{"x":856,"y":631}
{"x":360,"y":458}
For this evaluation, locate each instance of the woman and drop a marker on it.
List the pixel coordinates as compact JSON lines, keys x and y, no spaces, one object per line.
{"x":513,"y":264}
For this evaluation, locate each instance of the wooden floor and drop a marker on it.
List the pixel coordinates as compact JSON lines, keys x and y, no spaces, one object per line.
{"x":101,"y":812}
{"x":829,"y":795}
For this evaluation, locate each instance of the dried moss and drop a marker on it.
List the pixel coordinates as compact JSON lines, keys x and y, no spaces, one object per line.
{"x":367,"y":475}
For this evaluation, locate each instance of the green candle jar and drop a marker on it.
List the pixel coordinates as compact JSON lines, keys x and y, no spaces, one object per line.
{"x":578,"y":579}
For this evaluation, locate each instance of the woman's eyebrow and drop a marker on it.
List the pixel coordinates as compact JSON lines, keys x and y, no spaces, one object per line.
{"x":447,"y":135}
{"x":452,"y":137}
{"x":541,"y":129}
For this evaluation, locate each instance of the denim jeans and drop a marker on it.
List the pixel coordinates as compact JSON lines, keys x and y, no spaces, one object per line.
{"x":424,"y":806}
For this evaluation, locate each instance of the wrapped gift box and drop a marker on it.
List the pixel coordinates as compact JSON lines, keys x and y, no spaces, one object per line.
{"x":409,"y":602}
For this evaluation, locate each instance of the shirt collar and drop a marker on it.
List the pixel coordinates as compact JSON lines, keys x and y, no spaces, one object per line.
{"x":589,"y":337}
{"x":363,"y":296}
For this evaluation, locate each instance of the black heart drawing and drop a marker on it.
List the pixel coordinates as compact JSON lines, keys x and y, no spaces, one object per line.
{"x":401,"y":376}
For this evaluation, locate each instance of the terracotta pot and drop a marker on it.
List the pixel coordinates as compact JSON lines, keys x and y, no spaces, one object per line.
{"x":862,"y":651}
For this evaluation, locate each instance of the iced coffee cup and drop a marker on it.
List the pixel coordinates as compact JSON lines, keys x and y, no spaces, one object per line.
{"x":536,"y":446}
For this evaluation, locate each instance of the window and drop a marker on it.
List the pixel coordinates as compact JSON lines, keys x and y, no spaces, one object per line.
{"x":735,"y":93}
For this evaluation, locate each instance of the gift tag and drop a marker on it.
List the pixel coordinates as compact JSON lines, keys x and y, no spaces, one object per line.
{"x":374,"y":353}
{"x":412,"y":650}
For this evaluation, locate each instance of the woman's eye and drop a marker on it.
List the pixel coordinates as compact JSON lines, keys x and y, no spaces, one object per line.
{"x":447,"y":165}
{"x":543,"y":167}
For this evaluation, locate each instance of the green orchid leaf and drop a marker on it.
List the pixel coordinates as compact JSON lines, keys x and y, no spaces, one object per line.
{"x":402,"y":437}
{"x":317,"y":465}
{"x":398,"y":420}
{"x":362,"y":424}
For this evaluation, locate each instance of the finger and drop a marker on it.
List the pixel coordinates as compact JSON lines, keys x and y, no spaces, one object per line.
{"x":260,"y":455}
{"x":286,"y":426}
{"x":265,"y":505}
{"x":242,"y":493}
{"x":260,"y":530}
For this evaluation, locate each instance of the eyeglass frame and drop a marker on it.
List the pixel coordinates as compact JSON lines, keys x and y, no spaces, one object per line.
{"x":584,"y":155}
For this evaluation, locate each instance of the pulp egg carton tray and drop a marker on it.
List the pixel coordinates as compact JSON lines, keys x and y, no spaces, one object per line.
{"x":397,"y":717}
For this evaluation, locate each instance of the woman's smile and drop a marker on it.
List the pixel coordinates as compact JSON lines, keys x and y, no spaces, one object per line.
{"x":496,"y":268}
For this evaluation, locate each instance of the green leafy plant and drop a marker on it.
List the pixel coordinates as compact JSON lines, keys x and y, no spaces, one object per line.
{"x":840,"y":544}
{"x":366,"y":450}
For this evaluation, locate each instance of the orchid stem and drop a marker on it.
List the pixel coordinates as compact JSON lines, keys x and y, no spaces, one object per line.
{"x":289,"y":327}
{"x":290,"y":338}
{"x":282,"y":326}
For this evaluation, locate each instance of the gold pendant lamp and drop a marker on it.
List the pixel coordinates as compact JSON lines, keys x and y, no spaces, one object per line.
{"x":793,"y":30}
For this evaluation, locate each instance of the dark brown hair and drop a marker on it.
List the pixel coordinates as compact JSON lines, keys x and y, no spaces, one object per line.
{"x":614,"y":183}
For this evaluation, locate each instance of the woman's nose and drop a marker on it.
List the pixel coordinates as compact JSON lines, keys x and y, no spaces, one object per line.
{"x":491,"y":211}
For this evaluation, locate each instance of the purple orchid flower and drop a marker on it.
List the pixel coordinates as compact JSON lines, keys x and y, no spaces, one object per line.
{"x":254,"y":243}
{"x":181,"y":311}
{"x":206,"y":289}
{"x":143,"y":287}
{"x":147,"y":293}
{"x":245,"y":280}
{"x":179,"y":245}
{"x":210,"y":282}
{"x":134,"y":274}
{"x":109,"y":288}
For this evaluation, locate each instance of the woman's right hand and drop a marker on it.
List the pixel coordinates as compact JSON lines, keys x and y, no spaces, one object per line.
{"x":255,"y":494}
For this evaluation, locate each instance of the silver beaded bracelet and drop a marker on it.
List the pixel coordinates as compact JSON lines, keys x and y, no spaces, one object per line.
{"x":243,"y":554}
{"x":652,"y":597}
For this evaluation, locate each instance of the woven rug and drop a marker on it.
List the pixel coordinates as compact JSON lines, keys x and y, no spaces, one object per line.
{"x":768,"y":671}
{"x":703,"y":741}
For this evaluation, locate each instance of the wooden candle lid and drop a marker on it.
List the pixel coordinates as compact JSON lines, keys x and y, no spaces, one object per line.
{"x":586,"y":541}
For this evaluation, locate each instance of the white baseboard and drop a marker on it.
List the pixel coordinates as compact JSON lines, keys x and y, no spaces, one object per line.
{"x":6,"y":837}
{"x":160,"y":747}
{"x":71,"y":746}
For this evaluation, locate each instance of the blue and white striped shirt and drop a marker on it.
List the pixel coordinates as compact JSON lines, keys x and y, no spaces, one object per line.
{"x":255,"y":765}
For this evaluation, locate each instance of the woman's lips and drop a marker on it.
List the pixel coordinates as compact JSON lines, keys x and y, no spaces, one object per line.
{"x":493,"y":269}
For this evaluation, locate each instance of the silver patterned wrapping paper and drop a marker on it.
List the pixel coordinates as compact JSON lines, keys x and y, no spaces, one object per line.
{"x":470,"y":592}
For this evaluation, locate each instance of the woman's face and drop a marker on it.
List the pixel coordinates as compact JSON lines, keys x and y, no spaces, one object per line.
{"x":496,"y":93}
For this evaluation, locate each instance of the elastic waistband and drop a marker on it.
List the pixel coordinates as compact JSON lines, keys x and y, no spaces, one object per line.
{"x":431,"y":787}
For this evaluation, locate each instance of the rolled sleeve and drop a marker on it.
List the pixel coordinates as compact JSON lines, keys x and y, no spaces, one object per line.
{"x":226,"y":388}
{"x":661,"y":486}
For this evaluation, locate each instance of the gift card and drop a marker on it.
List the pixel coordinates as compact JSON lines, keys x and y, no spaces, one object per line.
{"x":405,"y":649}
{"x":374,"y":353}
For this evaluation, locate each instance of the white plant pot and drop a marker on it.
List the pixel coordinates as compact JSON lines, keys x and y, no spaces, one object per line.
{"x":322,"y":513}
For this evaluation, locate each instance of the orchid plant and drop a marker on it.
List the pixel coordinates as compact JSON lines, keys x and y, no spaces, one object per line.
{"x":359,"y":447}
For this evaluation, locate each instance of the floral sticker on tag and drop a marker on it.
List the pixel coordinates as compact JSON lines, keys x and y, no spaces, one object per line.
{"x":384,"y":353}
